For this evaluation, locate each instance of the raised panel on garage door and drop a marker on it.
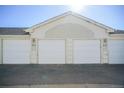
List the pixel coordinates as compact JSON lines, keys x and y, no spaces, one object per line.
{"x":16,"y":51}
{"x":86,"y":51}
{"x":116,"y":51}
{"x":51,"y":51}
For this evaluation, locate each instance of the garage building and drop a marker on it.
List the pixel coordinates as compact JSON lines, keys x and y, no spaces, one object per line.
{"x":69,"y":38}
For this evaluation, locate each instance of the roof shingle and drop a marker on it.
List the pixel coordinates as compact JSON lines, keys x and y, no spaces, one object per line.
{"x":13,"y":31}
{"x":117,"y":32}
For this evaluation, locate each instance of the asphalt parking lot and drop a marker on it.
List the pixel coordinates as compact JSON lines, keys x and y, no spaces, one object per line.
{"x":68,"y":74}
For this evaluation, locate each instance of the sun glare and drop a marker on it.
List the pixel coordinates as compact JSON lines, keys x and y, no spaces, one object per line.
{"x":77,"y":8}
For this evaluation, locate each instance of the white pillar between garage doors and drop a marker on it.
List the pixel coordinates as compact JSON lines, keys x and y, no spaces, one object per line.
{"x":104,"y":51}
{"x":69,"y":50}
{"x":34,"y":54}
{"x":1,"y":51}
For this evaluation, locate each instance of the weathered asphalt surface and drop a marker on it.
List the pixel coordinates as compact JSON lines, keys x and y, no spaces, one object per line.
{"x":11,"y":75}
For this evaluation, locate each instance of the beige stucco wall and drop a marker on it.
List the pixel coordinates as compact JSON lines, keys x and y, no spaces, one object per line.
{"x":69,"y":30}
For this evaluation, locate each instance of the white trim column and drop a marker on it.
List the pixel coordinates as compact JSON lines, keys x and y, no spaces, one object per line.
{"x":104,"y":51}
{"x":34,"y":58}
{"x":69,"y":56}
{"x":1,"y":51}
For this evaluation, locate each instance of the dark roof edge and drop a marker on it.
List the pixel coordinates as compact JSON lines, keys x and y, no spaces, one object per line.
{"x":13,"y":31}
{"x":117,"y":31}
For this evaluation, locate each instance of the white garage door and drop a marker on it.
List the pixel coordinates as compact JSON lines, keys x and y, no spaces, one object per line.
{"x":116,"y":51}
{"x":51,"y":51}
{"x":86,"y":51}
{"x":16,"y":51}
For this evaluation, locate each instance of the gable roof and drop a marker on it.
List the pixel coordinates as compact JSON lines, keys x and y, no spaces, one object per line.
{"x":73,"y":14}
{"x":26,"y":30}
{"x":13,"y":31}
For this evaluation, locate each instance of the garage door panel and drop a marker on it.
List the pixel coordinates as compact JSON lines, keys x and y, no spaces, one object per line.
{"x":16,"y":51}
{"x":51,"y":61}
{"x":116,"y":51}
{"x":16,"y":61}
{"x":51,"y":51}
{"x":86,"y":51}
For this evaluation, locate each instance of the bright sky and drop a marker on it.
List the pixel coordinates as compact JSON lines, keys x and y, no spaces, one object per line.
{"x":26,"y":16}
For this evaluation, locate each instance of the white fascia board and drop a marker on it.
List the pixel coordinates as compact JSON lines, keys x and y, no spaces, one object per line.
{"x":14,"y":36}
